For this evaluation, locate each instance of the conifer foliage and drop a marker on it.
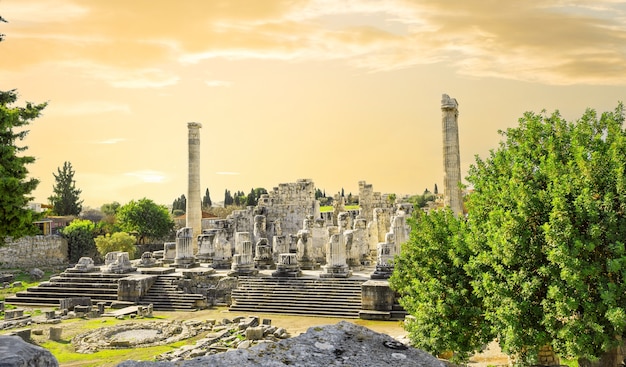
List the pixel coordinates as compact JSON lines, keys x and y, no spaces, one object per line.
{"x":66,"y":197}
{"x":16,"y":220}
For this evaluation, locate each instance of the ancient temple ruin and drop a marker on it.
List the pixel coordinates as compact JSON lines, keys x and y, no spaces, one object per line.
{"x":453,"y":197}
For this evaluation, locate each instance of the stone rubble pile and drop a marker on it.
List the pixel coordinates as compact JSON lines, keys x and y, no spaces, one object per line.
{"x":225,"y":335}
{"x":343,"y":344}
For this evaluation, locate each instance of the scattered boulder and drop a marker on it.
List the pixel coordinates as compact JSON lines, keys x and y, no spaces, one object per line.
{"x":36,"y":274}
{"x":15,"y":352}
{"x":341,"y":344}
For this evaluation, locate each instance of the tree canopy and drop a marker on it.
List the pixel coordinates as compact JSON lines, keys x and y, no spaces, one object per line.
{"x":65,"y":199}
{"x":79,"y":235}
{"x":429,"y":275}
{"x":548,"y":213}
{"x":545,"y":233}
{"x":15,"y":186}
{"x":145,"y":219}
{"x":206,"y":199}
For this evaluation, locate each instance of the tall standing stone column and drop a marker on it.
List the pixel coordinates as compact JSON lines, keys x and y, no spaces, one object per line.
{"x":194,"y":201}
{"x":453,"y":196}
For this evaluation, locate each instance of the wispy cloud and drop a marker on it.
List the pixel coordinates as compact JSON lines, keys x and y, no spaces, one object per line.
{"x":548,"y":41}
{"x":127,"y":78}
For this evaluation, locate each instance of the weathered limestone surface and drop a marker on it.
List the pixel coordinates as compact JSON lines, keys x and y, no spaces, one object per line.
{"x":194,"y":206}
{"x":341,"y":344}
{"x":35,"y":251}
{"x":451,"y":155}
{"x":133,"y":287}
{"x":184,"y":252}
{"x":14,"y":352}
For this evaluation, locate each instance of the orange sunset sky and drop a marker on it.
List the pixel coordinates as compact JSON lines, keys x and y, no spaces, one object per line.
{"x":334,"y":91}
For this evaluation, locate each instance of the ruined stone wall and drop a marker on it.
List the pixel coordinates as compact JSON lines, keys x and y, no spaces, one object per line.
{"x":36,"y":251}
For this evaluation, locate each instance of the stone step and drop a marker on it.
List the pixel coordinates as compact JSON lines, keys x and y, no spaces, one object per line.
{"x":309,"y":311}
{"x":181,"y":296}
{"x":325,"y":304}
{"x":77,"y":285}
{"x":297,"y":286}
{"x":326,"y":281}
{"x":297,"y":298}
{"x":19,"y":301}
{"x":92,"y":276}
{"x":67,"y":294}
{"x":68,"y":290}
{"x":285,"y":290}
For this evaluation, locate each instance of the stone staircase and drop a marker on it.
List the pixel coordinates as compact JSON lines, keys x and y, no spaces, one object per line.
{"x":100,"y":287}
{"x":164,"y":295}
{"x":309,"y":296}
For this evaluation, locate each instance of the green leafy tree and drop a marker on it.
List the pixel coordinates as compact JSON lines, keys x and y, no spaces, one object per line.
{"x":65,"y":199}
{"x":436,"y":290}
{"x":79,"y":234}
{"x":15,"y":186}
{"x":548,"y":229}
{"x":107,"y":223}
{"x":206,"y":200}
{"x":119,"y":241}
{"x":146,"y":219}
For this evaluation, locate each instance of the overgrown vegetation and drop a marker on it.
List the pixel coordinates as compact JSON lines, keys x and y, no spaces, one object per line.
{"x":542,"y":247}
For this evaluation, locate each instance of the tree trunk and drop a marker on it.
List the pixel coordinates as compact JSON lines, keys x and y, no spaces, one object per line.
{"x":612,"y":358}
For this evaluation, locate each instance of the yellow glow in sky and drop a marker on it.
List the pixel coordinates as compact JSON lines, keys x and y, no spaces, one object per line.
{"x":334,"y":91}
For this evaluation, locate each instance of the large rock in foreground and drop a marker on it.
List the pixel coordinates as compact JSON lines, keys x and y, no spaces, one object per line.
{"x":341,"y":344}
{"x":15,"y":352}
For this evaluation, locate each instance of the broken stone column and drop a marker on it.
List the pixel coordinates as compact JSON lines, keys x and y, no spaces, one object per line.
{"x":263,"y":258}
{"x":55,"y":333}
{"x":319,"y":239}
{"x":193,"y":213}
{"x":366,"y":192}
{"x":360,"y":241}
{"x":206,"y":251}
{"x":336,"y":266}
{"x":240,"y":238}
{"x":169,"y":252}
{"x":287,"y":266}
{"x":260,"y":227}
{"x":400,"y":229}
{"x":147,"y":260}
{"x":303,"y":247}
{"x":243,"y":264}
{"x":184,"y":250}
{"x":223,"y":252}
{"x":84,"y":265}
{"x":384,"y":261}
{"x":280,"y":245}
{"x":118,"y":262}
{"x":453,"y":197}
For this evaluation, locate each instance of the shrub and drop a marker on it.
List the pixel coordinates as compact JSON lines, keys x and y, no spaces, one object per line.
{"x":119,"y":241}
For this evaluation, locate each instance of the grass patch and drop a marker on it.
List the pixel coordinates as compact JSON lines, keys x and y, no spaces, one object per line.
{"x":26,"y":281}
{"x":330,"y":208}
{"x":64,"y":353}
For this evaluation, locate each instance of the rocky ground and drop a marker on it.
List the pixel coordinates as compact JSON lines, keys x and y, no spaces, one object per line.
{"x":294,"y":325}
